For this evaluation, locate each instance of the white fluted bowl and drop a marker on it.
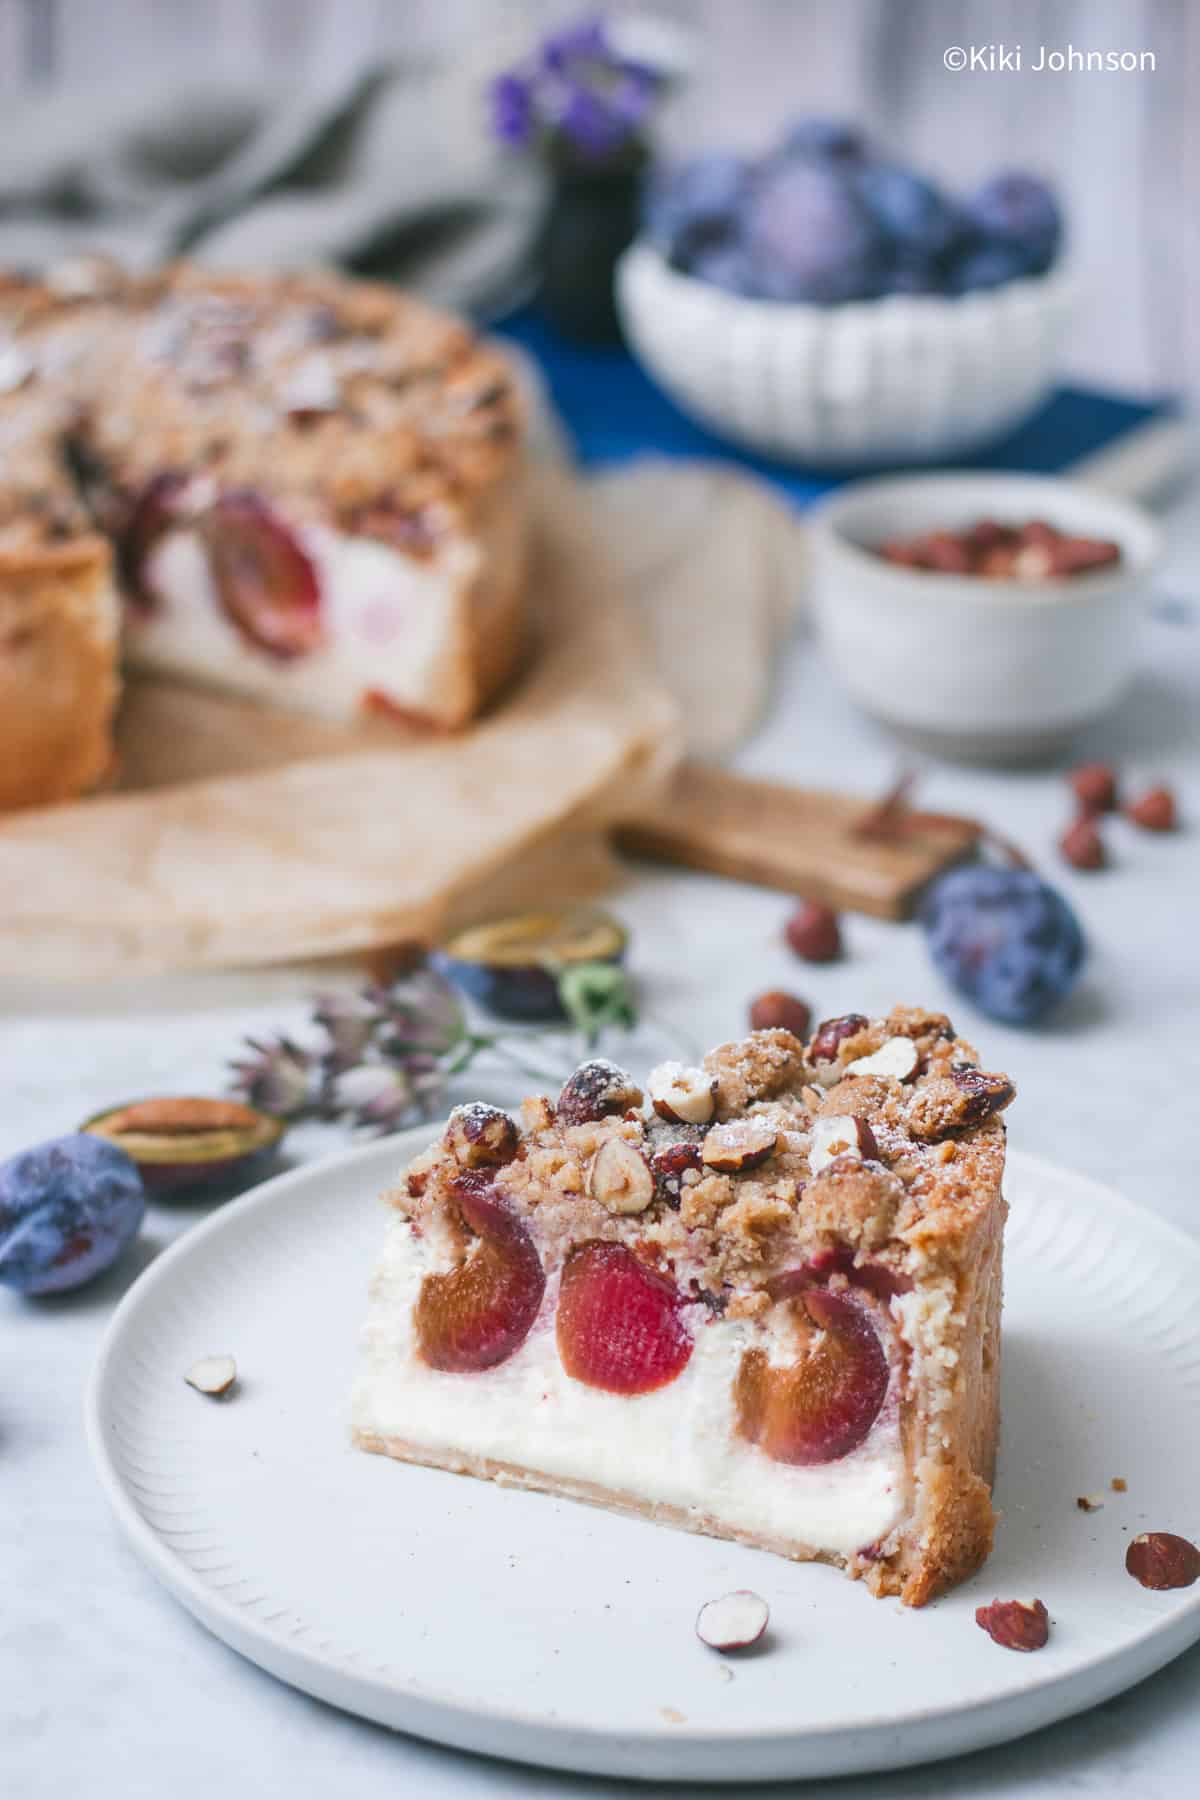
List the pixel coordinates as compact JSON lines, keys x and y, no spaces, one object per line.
{"x":902,"y":379}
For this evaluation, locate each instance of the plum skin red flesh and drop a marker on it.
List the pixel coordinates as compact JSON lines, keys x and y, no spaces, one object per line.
{"x":266,"y":582}
{"x":620,"y":1325}
{"x":477,"y":1314}
{"x":822,"y":1406}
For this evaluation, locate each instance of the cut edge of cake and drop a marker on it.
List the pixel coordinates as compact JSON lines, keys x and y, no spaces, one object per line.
{"x":305,"y":489}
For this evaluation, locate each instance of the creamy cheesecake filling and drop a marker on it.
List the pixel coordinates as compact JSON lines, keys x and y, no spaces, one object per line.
{"x":388,"y":622}
{"x":676,"y":1446}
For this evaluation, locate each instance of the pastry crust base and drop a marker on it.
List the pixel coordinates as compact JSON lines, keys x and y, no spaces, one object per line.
{"x":59,"y":624}
{"x":506,"y":1474}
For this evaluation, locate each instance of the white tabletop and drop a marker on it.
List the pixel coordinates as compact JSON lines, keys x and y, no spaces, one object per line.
{"x":108,"y":1688}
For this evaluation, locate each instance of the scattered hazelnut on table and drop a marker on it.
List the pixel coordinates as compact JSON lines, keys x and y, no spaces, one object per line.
{"x":1155,"y":811}
{"x":1082,"y":846}
{"x":779,"y":1010}
{"x":1095,"y":787}
{"x":813,"y":932}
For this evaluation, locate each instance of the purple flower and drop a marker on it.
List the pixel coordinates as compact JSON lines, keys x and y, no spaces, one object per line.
{"x":584,"y":41}
{"x":579,"y":89}
{"x":634,"y":95}
{"x":589,"y":121}
{"x":512,"y":109}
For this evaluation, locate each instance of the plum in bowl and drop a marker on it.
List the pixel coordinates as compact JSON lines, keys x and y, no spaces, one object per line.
{"x":828,"y":305}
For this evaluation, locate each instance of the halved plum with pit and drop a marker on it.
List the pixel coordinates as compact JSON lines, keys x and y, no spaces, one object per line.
{"x":477,"y":1314}
{"x":266,"y":583}
{"x":823,"y":1405}
{"x":620,"y":1325}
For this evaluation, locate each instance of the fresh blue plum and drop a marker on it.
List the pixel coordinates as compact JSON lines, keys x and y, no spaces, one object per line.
{"x":68,"y":1210}
{"x":913,"y":274}
{"x":727,"y":266}
{"x":1005,"y":938}
{"x":828,"y":140}
{"x":1021,"y":213}
{"x":808,"y":230}
{"x":916,"y":216}
{"x":988,"y":266}
{"x":696,"y":205}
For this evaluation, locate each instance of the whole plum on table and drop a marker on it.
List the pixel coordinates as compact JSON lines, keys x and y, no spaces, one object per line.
{"x":807,"y":224}
{"x":68,"y":1210}
{"x":1005,"y":938}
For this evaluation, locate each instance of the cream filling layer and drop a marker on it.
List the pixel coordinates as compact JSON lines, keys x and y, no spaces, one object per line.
{"x":390,"y":623}
{"x":676,"y":1446}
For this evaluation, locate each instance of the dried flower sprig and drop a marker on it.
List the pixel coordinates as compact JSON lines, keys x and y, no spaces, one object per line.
{"x":384,"y":1057}
{"x":277,"y":1077}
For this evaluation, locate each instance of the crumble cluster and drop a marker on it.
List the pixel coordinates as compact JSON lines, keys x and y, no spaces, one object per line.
{"x":354,"y":403}
{"x":772,"y":1152}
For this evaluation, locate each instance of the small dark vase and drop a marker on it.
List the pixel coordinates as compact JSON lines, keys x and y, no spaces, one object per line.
{"x":592,"y":216}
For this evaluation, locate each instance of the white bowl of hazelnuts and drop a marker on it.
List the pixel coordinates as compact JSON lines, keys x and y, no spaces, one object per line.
{"x":987,"y":617}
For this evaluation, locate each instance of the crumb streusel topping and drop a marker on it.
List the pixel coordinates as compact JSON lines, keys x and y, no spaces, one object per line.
{"x":350,"y":402}
{"x":733,"y":1200}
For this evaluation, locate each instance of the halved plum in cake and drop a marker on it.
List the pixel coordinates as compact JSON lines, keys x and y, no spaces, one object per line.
{"x":760,"y":1301}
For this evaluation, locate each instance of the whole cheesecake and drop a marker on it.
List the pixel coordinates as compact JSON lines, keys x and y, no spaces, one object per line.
{"x":760,"y":1299}
{"x":311,"y":491}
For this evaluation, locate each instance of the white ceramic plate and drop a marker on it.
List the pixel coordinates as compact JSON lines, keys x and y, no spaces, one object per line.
{"x":537,"y":1629}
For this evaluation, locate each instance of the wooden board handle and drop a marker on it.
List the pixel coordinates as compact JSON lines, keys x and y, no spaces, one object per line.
{"x":802,"y":840}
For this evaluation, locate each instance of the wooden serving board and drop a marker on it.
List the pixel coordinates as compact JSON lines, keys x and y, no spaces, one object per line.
{"x":799,"y":839}
{"x":238,"y":835}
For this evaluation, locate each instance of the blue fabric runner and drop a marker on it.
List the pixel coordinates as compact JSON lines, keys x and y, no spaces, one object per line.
{"x":613,"y":411}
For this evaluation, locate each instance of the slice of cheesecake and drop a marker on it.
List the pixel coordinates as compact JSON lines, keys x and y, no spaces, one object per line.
{"x":762,"y":1303}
